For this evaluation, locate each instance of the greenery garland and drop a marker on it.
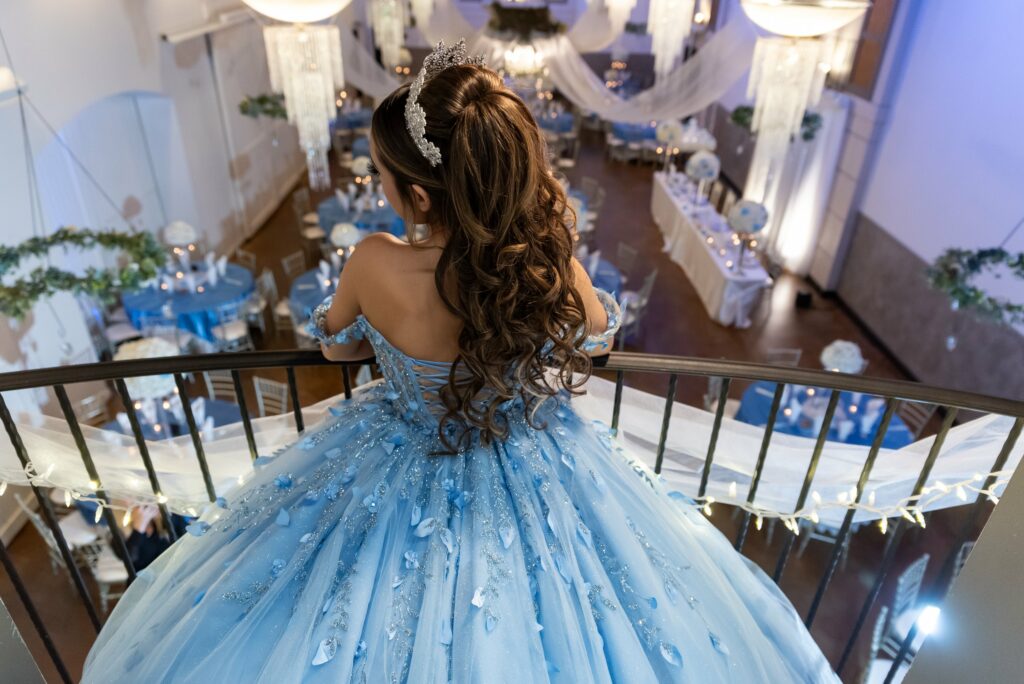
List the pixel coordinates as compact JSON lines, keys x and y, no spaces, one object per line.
{"x":744,"y":115}
{"x":145,"y":256}
{"x":265,"y":104}
{"x":954,"y":270}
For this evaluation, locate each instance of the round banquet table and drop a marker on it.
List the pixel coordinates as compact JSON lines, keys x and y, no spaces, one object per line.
{"x":560,"y":123}
{"x":192,"y":311}
{"x":354,"y":118}
{"x":634,"y":132}
{"x":360,"y":147}
{"x":854,"y":422}
{"x":222,"y":412}
{"x":330,"y":212}
{"x":306,"y":293}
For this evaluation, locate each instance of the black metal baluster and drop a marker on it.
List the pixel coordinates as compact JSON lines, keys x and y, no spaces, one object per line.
{"x":250,"y":438}
{"x":197,"y":443}
{"x":759,"y":466}
{"x":33,"y":614}
{"x":892,"y":543}
{"x":844,"y":531}
{"x":819,"y":446}
{"x":90,"y":468}
{"x":968,"y":527}
{"x":346,"y":381}
{"x":723,"y":395}
{"x":669,"y":400}
{"x":620,"y":376}
{"x":140,"y":442}
{"x":50,"y":517}
{"x":293,"y":389}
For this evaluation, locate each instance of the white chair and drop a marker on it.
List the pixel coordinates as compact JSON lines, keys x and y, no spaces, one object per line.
{"x":246,"y":259}
{"x":283,"y":319}
{"x":271,"y":396}
{"x":256,"y":307}
{"x":915,"y":415}
{"x":294,"y":265}
{"x":633,"y":306}
{"x":220,"y":385}
{"x":158,"y":326}
{"x":76,"y":531}
{"x":783,"y":356}
{"x":303,"y":340}
{"x":732,"y":406}
{"x":878,"y":668}
{"x":108,"y":571}
{"x":904,"y":606}
{"x":625,"y":259}
{"x":232,"y":334}
{"x":93,"y":409}
{"x":823,"y":533}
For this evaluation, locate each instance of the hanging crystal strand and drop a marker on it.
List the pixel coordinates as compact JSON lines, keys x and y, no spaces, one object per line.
{"x":387,"y":17}
{"x":305,"y":65}
{"x":669,"y":23}
{"x":421,"y":11}
{"x":787,"y":76}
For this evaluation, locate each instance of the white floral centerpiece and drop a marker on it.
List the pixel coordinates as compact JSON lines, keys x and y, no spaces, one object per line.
{"x":669,"y":132}
{"x":842,"y":356}
{"x":748,"y":217}
{"x":361,"y":166}
{"x":703,"y":166}
{"x":180,"y":234}
{"x":148,"y":386}
{"x":345,"y":235}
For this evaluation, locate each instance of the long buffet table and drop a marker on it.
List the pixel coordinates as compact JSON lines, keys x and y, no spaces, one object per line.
{"x":698,"y":239}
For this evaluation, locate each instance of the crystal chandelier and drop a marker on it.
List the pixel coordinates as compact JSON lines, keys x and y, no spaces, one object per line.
{"x":788,"y":74}
{"x":387,"y":17}
{"x":669,"y":23}
{"x":305,"y":65}
{"x":523,"y":60}
{"x":421,"y":11}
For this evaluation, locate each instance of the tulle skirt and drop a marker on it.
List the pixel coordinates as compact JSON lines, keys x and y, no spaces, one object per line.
{"x":358,"y":554}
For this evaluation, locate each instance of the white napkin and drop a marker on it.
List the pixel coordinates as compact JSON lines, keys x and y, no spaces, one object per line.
{"x":340,"y":196}
{"x":185,"y":259}
{"x":207,"y":429}
{"x":210,"y":259}
{"x":122,"y":420}
{"x":336,"y":260}
{"x":190,"y":282}
{"x":324,"y":267}
{"x":199,"y":409}
{"x":176,"y":410}
{"x":351,"y":190}
{"x":845,"y":428}
{"x":593,"y":263}
{"x":211,"y":277}
{"x":222,"y":264}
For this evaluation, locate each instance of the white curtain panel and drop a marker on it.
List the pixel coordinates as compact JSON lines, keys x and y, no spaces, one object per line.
{"x":970,"y":448}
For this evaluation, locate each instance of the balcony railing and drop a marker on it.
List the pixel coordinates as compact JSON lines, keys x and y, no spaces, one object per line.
{"x":949,"y":402}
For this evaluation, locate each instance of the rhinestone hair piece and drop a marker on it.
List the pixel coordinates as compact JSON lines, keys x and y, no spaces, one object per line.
{"x":415,"y":118}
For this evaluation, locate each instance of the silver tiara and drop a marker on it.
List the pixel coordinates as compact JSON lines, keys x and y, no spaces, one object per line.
{"x":415,"y":118}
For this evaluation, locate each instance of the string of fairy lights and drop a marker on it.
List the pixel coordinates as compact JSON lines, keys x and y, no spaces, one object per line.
{"x":910,"y":508}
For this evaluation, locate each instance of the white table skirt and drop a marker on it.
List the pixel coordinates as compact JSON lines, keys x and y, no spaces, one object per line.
{"x":729,"y":297}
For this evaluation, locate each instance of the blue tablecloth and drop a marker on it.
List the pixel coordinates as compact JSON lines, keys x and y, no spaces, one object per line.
{"x":222,"y":412}
{"x":607,"y":277}
{"x":757,"y":402}
{"x":382,"y":219}
{"x":306,"y":293}
{"x":361,"y":147}
{"x":356,"y":118}
{"x":191,"y":311}
{"x":562,"y":123}
{"x":634,"y":132}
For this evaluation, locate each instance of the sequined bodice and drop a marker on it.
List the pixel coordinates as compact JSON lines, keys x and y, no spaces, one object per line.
{"x":412,"y":385}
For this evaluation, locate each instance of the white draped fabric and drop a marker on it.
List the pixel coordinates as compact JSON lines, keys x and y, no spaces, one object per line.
{"x":798,"y":200}
{"x":970,"y":448}
{"x":689,"y":88}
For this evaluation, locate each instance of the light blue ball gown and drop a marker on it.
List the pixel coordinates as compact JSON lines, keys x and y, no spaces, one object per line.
{"x":355,"y":555}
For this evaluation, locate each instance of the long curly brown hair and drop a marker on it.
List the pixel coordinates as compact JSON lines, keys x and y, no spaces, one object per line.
{"x":506,"y":269}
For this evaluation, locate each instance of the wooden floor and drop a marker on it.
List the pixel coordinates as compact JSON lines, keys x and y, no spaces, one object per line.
{"x":676,"y":323}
